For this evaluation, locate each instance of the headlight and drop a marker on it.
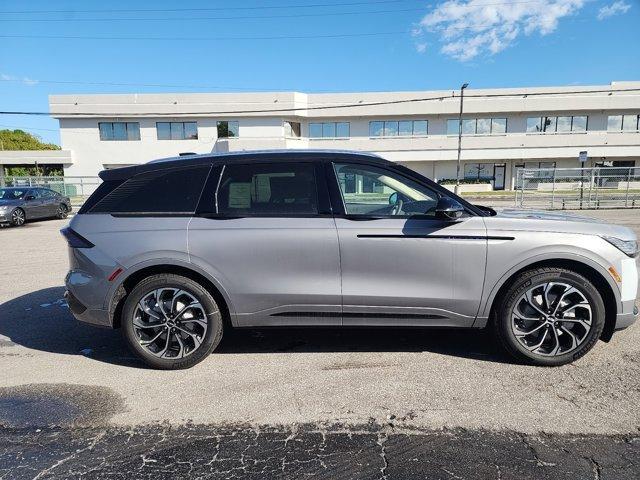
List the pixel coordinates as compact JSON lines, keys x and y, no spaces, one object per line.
{"x":4,"y":208}
{"x":630,"y":247}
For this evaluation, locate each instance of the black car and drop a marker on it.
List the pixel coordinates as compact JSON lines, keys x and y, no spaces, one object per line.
{"x":20,"y":204}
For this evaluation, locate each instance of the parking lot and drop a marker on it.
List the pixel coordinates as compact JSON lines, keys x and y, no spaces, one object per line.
{"x":319,"y":388}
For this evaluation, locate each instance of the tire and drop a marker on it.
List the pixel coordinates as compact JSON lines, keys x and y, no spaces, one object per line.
{"x":63,"y":211}
{"x":193,"y":319}
{"x":18,"y":217}
{"x":528,"y":305}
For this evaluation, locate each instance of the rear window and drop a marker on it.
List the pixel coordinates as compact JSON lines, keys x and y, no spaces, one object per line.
{"x":161,"y":191}
{"x":268,"y":189}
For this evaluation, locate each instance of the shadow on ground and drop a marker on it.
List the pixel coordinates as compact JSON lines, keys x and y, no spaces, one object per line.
{"x":41,"y":321}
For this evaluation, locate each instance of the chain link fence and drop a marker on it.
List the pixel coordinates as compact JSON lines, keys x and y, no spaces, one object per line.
{"x":578,"y":188}
{"x":76,"y":188}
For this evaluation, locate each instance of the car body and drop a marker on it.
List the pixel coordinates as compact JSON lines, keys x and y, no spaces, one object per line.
{"x":331,"y":238}
{"x":21,"y":204}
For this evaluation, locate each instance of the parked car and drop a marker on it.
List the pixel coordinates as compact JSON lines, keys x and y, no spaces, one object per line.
{"x":21,"y":204}
{"x":176,"y":251}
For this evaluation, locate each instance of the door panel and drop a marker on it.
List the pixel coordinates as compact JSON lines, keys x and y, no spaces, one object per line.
{"x":411,"y":272}
{"x":271,"y":243}
{"x":35,"y":208}
{"x":276,"y":271}
{"x":400,"y":264}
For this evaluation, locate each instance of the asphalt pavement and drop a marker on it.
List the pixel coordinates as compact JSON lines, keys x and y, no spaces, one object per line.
{"x":339,"y":403}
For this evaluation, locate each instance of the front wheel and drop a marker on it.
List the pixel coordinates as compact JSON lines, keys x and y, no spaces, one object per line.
{"x":550,"y":317}
{"x":18,"y":217}
{"x":171,"y":322}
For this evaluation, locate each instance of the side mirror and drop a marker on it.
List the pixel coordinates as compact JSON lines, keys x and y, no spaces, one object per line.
{"x":449,"y":209}
{"x":393,"y":198}
{"x":30,"y":197}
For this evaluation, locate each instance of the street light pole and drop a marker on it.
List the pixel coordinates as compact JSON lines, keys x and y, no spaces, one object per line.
{"x":457,"y":189}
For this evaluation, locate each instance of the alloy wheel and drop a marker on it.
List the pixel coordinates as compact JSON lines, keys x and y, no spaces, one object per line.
{"x":170,"y":323}
{"x":62,"y":212}
{"x":551,"y":319}
{"x":17,"y":217}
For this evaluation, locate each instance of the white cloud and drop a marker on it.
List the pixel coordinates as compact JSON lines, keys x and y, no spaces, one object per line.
{"x":615,"y":8}
{"x":421,"y":47}
{"x":468,"y":28}
{"x":12,"y":78}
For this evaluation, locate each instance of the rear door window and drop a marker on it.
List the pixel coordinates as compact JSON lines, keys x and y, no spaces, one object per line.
{"x":166,"y":191}
{"x":268,"y":189}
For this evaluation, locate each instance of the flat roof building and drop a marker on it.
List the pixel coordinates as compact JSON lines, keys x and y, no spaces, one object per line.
{"x":503,"y":129}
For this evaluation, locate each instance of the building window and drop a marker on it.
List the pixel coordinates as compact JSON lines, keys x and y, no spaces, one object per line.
{"x":478,"y":171}
{"x":628,"y":123}
{"x":329,"y":130}
{"x":119,"y":130}
{"x":477,"y":126}
{"x":292,"y":129}
{"x":177,"y":130}
{"x":395,"y":128}
{"x":562,"y":124}
{"x":228,"y":129}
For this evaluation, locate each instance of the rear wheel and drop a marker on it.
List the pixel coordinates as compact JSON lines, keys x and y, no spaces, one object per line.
{"x":171,"y":322}
{"x":550,"y":317}
{"x":62,"y":212}
{"x":18,"y":217}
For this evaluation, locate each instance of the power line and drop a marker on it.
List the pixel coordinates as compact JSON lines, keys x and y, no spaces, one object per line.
{"x":180,"y":19}
{"x":251,"y":17}
{"x":266,"y":37}
{"x":210,"y":9}
{"x":320,"y":107}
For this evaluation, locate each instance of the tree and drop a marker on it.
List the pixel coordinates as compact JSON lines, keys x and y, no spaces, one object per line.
{"x":21,"y":140}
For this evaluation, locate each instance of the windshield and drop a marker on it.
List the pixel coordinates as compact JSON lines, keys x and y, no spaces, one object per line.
{"x":11,"y":193}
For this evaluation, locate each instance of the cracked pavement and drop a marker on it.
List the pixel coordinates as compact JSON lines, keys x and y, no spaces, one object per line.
{"x":287,"y":403}
{"x":364,"y":452}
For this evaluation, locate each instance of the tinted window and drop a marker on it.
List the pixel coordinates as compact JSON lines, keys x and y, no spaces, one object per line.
{"x":268,"y":189}
{"x":162,"y":191}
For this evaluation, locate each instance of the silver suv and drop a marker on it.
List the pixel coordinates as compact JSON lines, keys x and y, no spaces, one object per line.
{"x":177,"y":250}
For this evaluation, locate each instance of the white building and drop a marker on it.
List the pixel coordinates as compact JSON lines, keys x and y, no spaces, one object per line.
{"x":502,"y":128}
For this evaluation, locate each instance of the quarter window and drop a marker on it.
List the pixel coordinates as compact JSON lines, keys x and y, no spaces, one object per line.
{"x":228,"y":129}
{"x":373,"y":191}
{"x":163,"y":191}
{"x":119,"y":131}
{"x":177,"y":130}
{"x":268,"y":190}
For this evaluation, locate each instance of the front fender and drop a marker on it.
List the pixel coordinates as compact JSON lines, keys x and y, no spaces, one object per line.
{"x":497,"y":276}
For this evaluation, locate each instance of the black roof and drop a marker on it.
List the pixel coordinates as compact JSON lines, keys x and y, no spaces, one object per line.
{"x":286,"y":155}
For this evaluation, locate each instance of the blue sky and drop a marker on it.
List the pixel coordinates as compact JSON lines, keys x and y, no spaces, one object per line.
{"x":334,"y":45}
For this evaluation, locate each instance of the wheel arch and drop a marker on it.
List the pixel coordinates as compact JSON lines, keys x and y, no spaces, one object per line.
{"x":594,"y":274}
{"x":130,"y":281}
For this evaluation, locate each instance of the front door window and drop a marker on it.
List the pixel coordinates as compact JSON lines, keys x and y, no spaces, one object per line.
{"x":373,"y":191}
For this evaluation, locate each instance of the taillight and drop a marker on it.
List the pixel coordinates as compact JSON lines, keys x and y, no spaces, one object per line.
{"x":74,"y":239}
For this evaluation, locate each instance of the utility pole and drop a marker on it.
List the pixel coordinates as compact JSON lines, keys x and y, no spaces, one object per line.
{"x":457,"y":189}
